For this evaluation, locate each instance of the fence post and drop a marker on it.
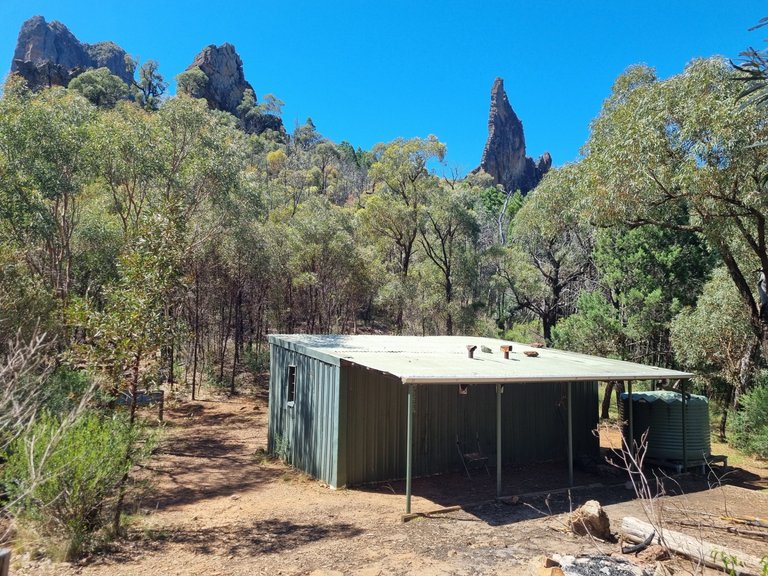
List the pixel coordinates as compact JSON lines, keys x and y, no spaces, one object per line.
{"x":5,"y":561}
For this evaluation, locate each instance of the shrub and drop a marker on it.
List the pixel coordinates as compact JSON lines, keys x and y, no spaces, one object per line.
{"x":64,"y":390}
{"x":750,"y":424}
{"x":256,"y":361}
{"x":61,"y":475}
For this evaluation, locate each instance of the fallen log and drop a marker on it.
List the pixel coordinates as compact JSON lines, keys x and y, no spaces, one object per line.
{"x":709,"y":554}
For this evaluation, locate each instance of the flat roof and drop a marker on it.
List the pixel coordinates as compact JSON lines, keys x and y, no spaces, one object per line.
{"x":444,"y":360}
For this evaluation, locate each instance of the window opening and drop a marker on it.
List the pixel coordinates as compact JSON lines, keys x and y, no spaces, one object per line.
{"x":291,"y":385}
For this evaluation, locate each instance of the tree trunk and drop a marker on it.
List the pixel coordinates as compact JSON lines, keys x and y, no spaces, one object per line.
{"x":747,"y":368}
{"x":133,"y":387}
{"x":723,"y":422}
{"x":197,"y":334}
{"x":225,"y":340}
{"x":610,"y":386}
{"x":448,"y":302}
{"x":238,"y":338}
{"x":606,"y":408}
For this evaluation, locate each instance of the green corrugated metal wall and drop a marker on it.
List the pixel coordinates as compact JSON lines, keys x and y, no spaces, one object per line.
{"x":307,"y":431}
{"x":534,"y":418}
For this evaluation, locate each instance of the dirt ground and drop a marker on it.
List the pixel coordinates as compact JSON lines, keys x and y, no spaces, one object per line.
{"x":219,"y":507}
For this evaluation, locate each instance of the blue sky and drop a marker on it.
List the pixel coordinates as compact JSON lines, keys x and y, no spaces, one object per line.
{"x":369,"y":72}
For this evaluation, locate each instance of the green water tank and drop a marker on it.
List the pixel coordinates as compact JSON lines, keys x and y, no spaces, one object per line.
{"x":661,"y":414}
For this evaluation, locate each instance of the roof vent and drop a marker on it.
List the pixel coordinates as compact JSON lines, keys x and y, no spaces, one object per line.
{"x":506,"y":349}
{"x":471,"y":350}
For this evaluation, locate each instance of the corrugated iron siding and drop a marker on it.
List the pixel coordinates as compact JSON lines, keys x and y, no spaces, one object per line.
{"x":307,"y":432}
{"x":534,"y":420}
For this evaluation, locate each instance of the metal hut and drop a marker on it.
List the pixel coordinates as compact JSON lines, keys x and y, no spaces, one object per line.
{"x":355,"y":409}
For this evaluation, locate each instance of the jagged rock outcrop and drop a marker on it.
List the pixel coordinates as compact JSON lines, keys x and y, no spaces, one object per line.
{"x":48,"y":54}
{"x":225,"y":85}
{"x":40,"y":41}
{"x":226,"y":82}
{"x":504,"y":156}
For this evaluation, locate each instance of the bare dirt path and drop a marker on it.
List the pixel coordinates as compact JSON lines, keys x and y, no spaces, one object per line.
{"x":218,"y":507}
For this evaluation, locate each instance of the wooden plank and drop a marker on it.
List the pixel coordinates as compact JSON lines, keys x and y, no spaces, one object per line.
{"x":412,"y":515}
{"x":635,"y":530}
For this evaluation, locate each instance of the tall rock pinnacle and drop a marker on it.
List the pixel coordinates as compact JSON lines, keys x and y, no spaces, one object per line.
{"x":226,"y":82}
{"x":504,"y":156}
{"x":225,"y":85}
{"x":48,"y":54}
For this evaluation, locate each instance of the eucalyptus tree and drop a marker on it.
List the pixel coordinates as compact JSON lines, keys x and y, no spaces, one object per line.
{"x":710,"y":338}
{"x":392,"y":213}
{"x":662,"y":148}
{"x":329,"y":272}
{"x":549,"y":248}
{"x":45,"y":168}
{"x":202,"y":159}
{"x":125,"y":334}
{"x":448,"y":234}
{"x":125,"y":144}
{"x":150,"y":87}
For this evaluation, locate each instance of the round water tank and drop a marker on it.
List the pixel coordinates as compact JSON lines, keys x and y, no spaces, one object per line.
{"x":661,"y":414}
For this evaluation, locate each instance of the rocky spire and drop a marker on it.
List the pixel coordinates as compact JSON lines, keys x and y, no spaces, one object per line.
{"x":48,"y":54}
{"x":226,"y":82}
{"x":504,"y":156}
{"x":225,"y":85}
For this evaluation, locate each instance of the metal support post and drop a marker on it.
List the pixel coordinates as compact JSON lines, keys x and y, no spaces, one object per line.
{"x":499,"y":390}
{"x":409,"y":452}
{"x":570,"y":434}
{"x":685,"y":430}
{"x":631,"y":420}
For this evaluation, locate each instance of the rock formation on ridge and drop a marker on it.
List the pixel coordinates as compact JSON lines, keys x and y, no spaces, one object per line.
{"x":504,"y":156}
{"x":225,"y":85}
{"x":48,"y":54}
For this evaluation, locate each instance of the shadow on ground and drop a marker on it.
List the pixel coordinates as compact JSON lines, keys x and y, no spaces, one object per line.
{"x":192,"y":464}
{"x":242,"y":539}
{"x":528,"y":492}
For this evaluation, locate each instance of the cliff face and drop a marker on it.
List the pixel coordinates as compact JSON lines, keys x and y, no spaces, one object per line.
{"x":225,"y":85}
{"x":504,"y":155}
{"x":48,"y":54}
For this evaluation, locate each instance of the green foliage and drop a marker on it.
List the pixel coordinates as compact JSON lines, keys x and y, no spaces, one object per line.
{"x":711,"y":337}
{"x":750,"y":425}
{"x":256,"y":361}
{"x":393,"y":214}
{"x":644,"y":276}
{"x":684,"y":146}
{"x":549,"y":248}
{"x":100,"y":87}
{"x":45,"y":167}
{"x":151,"y":86}
{"x":60,"y":476}
{"x":64,"y":390}
{"x":25,"y":303}
{"x":593,"y":329}
{"x":192,"y":83}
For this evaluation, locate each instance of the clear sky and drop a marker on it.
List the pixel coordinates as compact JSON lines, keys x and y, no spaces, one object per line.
{"x":369,"y":72}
